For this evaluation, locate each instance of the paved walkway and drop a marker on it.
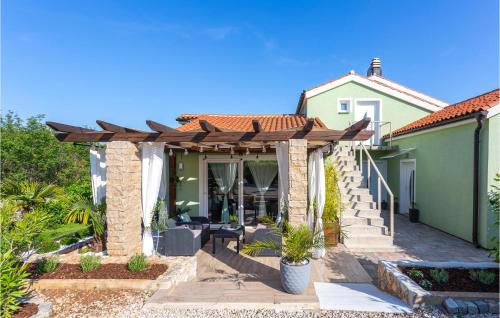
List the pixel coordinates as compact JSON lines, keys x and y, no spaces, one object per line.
{"x":417,"y":241}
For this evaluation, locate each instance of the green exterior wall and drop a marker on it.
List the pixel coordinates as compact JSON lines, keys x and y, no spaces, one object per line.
{"x":187,"y":190}
{"x":324,"y":106}
{"x":444,"y":174}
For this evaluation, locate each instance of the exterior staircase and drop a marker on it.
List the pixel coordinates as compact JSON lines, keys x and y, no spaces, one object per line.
{"x":361,"y":221}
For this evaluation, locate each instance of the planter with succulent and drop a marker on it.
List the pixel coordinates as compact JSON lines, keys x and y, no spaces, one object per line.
{"x":233,"y":220}
{"x":295,"y":249}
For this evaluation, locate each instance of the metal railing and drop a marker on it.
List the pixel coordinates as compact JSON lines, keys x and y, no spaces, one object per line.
{"x":377,"y":127}
{"x":380,"y":180}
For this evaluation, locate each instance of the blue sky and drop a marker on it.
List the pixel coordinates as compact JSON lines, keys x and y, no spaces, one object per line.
{"x":128,"y":61}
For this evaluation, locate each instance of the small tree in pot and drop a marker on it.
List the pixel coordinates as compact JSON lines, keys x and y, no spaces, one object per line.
{"x":333,"y":204}
{"x":296,"y":253}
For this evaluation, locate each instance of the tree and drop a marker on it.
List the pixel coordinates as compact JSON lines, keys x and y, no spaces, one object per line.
{"x":86,"y":212}
{"x":30,"y":152}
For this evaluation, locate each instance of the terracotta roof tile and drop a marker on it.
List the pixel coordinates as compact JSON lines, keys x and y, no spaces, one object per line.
{"x":460,"y":109}
{"x":272,"y":122}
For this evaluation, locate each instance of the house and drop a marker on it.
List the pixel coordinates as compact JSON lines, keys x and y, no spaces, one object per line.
{"x":446,"y":164}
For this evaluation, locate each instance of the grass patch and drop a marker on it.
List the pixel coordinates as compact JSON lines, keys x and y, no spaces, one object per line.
{"x":48,"y":246}
{"x":75,"y":229}
{"x":89,"y":263}
{"x":137,"y":263}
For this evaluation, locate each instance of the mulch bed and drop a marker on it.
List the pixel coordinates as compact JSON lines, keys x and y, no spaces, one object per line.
{"x":106,"y":271}
{"x":27,"y":310}
{"x":458,"y":281}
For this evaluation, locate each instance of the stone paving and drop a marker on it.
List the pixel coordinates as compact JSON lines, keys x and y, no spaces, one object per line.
{"x":417,"y":241}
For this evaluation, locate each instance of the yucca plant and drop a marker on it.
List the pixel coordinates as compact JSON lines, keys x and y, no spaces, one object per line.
{"x":29,"y":195}
{"x":296,"y":247}
{"x":86,"y":212}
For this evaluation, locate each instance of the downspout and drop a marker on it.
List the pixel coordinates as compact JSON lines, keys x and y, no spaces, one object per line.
{"x":475,"y":186}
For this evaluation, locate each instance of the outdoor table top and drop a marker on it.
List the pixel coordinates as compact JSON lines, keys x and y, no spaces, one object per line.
{"x":229,"y":232}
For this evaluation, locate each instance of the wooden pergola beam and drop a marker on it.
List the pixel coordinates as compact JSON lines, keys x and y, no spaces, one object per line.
{"x":115,"y":128}
{"x":309,"y":125}
{"x":352,"y":131}
{"x":67,"y":128}
{"x":160,"y":127}
{"x":257,"y":127}
{"x":208,"y":127}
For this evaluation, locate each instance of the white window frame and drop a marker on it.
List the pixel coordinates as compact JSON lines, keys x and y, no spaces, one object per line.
{"x":339,"y":105}
{"x":239,"y":159}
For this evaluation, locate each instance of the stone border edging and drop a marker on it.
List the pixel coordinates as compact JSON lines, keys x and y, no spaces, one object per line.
{"x":179,"y":270}
{"x":392,"y":280}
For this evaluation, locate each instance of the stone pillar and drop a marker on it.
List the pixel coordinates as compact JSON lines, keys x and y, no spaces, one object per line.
{"x":297,"y":178}
{"x":123,"y":198}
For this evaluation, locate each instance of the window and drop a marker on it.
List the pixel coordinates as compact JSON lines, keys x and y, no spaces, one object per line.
{"x":344,"y":105}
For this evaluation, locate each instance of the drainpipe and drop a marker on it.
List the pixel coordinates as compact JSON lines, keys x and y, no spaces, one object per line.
{"x":475,"y":186}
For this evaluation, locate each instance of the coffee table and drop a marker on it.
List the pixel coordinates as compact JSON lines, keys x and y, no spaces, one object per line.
{"x":231,"y":233}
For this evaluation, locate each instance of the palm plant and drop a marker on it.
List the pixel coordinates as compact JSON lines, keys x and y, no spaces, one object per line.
{"x":84,"y":211}
{"x":28,"y":195}
{"x":296,"y":247}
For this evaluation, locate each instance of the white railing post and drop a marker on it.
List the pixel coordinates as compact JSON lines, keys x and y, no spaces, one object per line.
{"x":381,"y":180}
{"x":379,"y":194}
{"x":361,"y":159}
{"x":368,"y":168}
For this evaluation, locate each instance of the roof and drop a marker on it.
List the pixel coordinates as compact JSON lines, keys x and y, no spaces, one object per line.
{"x":269,"y":123}
{"x":456,"y":111}
{"x":378,"y":83}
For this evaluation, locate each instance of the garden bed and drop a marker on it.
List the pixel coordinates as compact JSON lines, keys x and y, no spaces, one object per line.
{"x":105,"y":271}
{"x":459,"y":280}
{"x":27,"y":310}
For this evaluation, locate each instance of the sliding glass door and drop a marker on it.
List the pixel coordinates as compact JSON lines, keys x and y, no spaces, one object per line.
{"x":243,"y":187}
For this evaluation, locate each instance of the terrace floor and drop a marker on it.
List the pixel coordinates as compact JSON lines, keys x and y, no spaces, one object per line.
{"x":230,"y":280}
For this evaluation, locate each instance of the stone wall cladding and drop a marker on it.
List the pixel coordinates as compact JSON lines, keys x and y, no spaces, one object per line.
{"x":393,"y":281}
{"x":123,"y":198}
{"x":297,"y":170}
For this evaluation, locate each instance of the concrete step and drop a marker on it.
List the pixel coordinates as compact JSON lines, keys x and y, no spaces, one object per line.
{"x":349,"y":185}
{"x":354,"y":190}
{"x":351,"y":220}
{"x":357,"y":197}
{"x":345,"y":168}
{"x":350,"y":179}
{"x":355,"y":173}
{"x":360,"y":205}
{"x":364,"y":229}
{"x":362,"y":212}
{"x":367,"y":240}
{"x":341,"y":159}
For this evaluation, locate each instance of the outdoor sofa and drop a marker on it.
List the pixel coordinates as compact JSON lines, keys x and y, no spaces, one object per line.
{"x":184,"y":238}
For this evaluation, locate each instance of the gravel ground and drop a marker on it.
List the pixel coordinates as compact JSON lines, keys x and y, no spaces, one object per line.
{"x":125,"y":303}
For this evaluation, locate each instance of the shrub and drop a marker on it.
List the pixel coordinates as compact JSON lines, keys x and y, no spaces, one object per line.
{"x":89,"y":263}
{"x":482,"y":276}
{"x":84,"y":250}
{"x":137,"y":263}
{"x":415,"y":274}
{"x":12,"y":283}
{"x":47,"y":265}
{"x":494,"y":202}
{"x":425,"y":283}
{"x":48,"y":246}
{"x":440,"y":276}
{"x":68,"y":240}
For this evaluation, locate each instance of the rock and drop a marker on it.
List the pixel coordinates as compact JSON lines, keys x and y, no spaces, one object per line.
{"x":482,"y":306}
{"x":450,"y":305}
{"x":493,"y":306}
{"x":471,"y":308}
{"x":462,"y":307}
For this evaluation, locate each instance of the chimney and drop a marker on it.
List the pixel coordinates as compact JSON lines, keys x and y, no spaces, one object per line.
{"x":375,"y":67}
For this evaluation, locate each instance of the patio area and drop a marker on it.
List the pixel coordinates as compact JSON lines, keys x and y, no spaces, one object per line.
{"x":230,"y":280}
{"x":417,"y":241}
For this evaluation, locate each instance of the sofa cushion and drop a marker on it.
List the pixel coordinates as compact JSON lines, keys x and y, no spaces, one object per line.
{"x":171,"y":223}
{"x":196,"y":233}
{"x":184,"y":217}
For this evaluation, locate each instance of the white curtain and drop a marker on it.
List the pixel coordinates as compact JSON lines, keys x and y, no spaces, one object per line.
{"x":263,"y":173}
{"x":320,"y":201}
{"x":224,"y":174}
{"x":98,"y":174}
{"x":282,"y":158}
{"x":152,"y":166}
{"x":312,"y":184}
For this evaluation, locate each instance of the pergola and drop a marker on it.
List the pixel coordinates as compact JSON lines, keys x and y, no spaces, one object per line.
{"x":124,"y":172}
{"x":211,"y":138}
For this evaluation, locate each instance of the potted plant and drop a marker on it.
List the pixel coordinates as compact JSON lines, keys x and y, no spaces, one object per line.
{"x":413,"y":213}
{"x":295,"y":263}
{"x":233,"y":219}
